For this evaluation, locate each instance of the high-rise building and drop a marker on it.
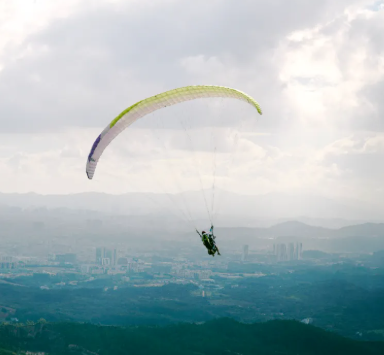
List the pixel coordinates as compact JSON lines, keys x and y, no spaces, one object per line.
{"x":106,"y":261}
{"x":296,"y":252}
{"x":8,"y":265}
{"x":100,"y":254}
{"x":281,"y":252}
{"x":291,"y":251}
{"x":276,"y":251}
{"x":245,"y":252}
{"x":284,"y":255}
{"x":103,"y":253}
{"x":108,"y":254}
{"x":114,"y":257}
{"x":300,"y":251}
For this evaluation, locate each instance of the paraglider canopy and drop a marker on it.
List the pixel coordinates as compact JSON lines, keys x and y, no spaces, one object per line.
{"x":146,"y":106}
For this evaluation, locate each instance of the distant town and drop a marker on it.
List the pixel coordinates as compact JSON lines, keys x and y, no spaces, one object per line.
{"x":137,"y":269}
{"x":146,"y":269}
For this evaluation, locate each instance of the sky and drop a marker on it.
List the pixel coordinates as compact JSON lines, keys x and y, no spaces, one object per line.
{"x":67,"y":68}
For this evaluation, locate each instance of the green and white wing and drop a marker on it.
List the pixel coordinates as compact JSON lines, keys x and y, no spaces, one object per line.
{"x":146,"y":106}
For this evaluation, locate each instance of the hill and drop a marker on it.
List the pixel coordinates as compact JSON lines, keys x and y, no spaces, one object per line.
{"x":42,"y":222}
{"x":367,"y":237}
{"x":220,"y":336}
{"x":276,"y":206}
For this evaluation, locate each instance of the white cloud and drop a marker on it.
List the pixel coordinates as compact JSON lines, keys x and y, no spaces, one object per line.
{"x":69,"y":67}
{"x":20,"y":19}
{"x":326,"y":67}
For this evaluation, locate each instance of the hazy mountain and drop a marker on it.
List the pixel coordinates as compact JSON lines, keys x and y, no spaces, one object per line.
{"x":61,"y":221}
{"x":142,"y":214}
{"x":298,"y":229}
{"x":368,"y":237}
{"x":231,"y":209}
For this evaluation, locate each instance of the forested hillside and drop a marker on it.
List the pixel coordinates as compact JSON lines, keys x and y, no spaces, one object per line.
{"x":220,"y":336}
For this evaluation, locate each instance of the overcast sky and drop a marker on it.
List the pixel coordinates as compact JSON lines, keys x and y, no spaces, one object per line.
{"x":67,"y":68}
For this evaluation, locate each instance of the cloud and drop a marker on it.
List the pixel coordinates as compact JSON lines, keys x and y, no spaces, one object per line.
{"x":317,"y":69}
{"x":84,"y":68}
{"x":334,"y":71}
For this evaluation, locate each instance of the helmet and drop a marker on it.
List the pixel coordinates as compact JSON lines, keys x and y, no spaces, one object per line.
{"x":203,"y":232}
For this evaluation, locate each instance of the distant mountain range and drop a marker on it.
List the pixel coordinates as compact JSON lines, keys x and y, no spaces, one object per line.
{"x":140,"y":214}
{"x":230,"y":209}
{"x":367,"y":237}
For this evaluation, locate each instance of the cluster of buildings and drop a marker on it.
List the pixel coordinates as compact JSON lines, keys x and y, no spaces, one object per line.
{"x":288,"y":252}
{"x":193,"y":274}
{"x":7,"y":262}
{"x":109,"y":261}
{"x":106,"y":257}
{"x":10,"y":262}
